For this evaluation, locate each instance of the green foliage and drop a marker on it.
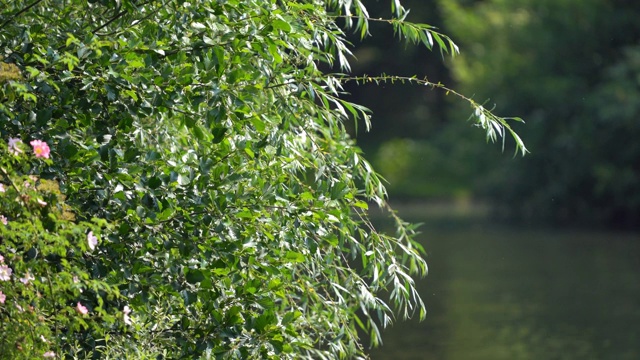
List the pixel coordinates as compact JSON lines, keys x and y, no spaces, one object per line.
{"x":47,"y":266}
{"x":213,"y":149}
{"x":570,"y":68}
{"x":422,"y":169}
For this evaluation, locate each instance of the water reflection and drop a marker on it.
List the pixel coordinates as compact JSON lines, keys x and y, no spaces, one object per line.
{"x":517,"y":294}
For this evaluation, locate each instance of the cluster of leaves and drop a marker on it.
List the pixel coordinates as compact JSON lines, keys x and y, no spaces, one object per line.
{"x":207,"y":138}
{"x":46,"y":264}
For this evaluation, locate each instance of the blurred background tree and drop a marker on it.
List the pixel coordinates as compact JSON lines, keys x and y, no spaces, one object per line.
{"x":407,"y":140}
{"x":570,"y":68}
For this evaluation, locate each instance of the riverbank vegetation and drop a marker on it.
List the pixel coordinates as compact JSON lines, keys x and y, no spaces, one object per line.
{"x":177,"y":181}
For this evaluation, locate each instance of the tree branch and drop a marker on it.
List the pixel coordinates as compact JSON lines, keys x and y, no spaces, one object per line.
{"x":20,"y":13}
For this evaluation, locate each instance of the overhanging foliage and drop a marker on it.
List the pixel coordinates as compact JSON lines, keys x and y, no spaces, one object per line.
{"x":203,"y":147}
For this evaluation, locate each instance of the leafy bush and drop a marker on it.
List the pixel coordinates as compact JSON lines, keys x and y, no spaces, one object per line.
{"x":203,"y":199}
{"x":46,"y":261}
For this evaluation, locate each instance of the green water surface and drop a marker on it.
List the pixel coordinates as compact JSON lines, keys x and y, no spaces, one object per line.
{"x":496,"y":294}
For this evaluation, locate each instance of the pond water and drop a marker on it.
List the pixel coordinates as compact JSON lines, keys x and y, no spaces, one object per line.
{"x":496,"y":293}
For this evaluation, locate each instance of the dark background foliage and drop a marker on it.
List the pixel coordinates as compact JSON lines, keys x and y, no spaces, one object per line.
{"x":569,"y":68}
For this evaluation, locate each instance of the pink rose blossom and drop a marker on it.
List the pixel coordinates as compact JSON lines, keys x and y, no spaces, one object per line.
{"x":13,"y":146}
{"x":42,"y":203}
{"x":3,"y":219}
{"x":25,"y":280}
{"x":82,"y":309}
{"x":1,"y":259}
{"x":5,"y":273}
{"x":2,"y":189}
{"x":49,"y":354}
{"x":40,"y":148}
{"x":3,"y":297}
{"x":92,"y":240}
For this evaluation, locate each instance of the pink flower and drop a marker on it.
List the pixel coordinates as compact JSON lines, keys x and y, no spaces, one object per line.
{"x":2,"y":189}
{"x":25,"y":280}
{"x":127,"y":311}
{"x":42,"y":203}
{"x":3,"y":219}
{"x":49,"y":354}
{"x":3,"y":297}
{"x":5,"y":273}
{"x":82,"y":309}
{"x":1,"y":259}
{"x":13,"y":146}
{"x":92,"y":240}
{"x":40,"y":148}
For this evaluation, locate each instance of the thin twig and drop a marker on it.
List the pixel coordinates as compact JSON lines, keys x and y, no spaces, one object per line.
{"x":114,"y":18}
{"x":20,"y":13}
